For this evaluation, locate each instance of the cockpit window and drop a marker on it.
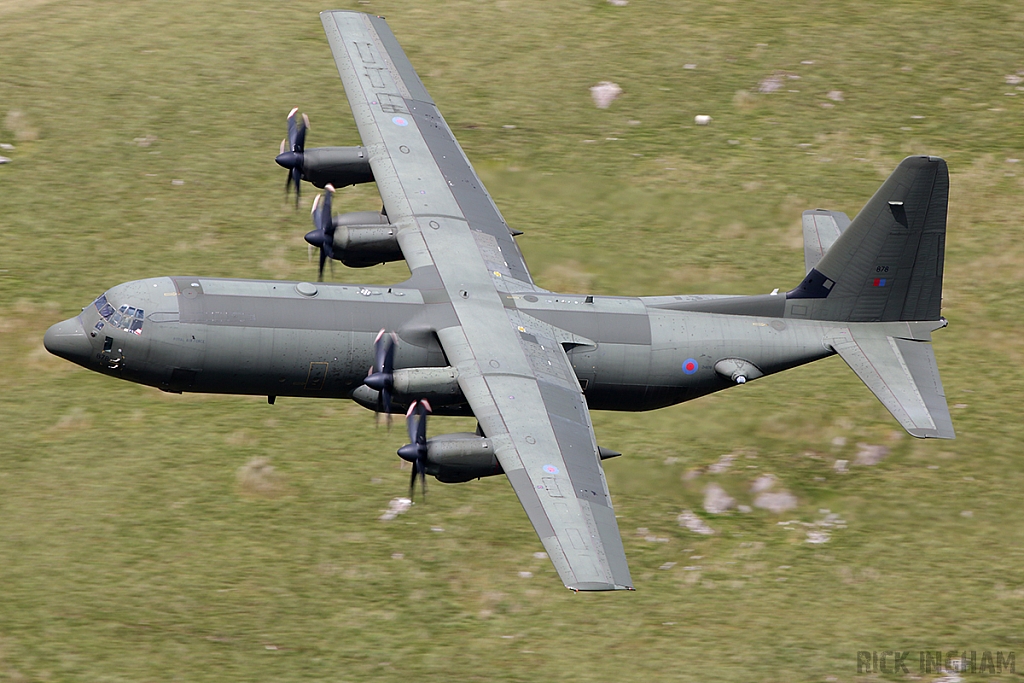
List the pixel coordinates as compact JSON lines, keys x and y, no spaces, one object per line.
{"x":105,"y":309}
{"x":127,"y":318}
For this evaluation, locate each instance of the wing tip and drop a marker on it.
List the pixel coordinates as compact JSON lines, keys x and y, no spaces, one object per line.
{"x":941,"y":433}
{"x":597,"y":586}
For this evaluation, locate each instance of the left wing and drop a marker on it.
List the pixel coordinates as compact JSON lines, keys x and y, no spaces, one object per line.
{"x":514,"y":374}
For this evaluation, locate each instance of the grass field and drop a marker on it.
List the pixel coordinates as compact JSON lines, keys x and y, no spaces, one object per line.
{"x":131,"y":549}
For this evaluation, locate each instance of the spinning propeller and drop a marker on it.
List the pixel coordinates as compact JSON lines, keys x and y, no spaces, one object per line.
{"x":381,"y":375}
{"x":291,"y":151}
{"x":416,"y":451}
{"x":323,"y":236}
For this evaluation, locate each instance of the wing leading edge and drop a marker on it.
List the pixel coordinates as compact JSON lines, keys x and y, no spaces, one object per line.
{"x":512,"y":370}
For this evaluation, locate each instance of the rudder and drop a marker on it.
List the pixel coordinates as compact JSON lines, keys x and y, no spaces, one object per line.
{"x":887,"y":265}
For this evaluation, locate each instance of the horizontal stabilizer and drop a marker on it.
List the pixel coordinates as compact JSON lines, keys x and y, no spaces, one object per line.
{"x":821,"y":229}
{"x":903,"y":374}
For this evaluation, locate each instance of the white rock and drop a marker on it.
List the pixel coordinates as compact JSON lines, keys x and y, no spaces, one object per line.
{"x":396,"y":507}
{"x":4,"y":160}
{"x":723,"y":464}
{"x":744,"y":508}
{"x":817,"y":537}
{"x":770,"y":83}
{"x":779,"y":501}
{"x":841,"y":466}
{"x":868,"y":454}
{"x":839,"y":441}
{"x":694,"y":523}
{"x":702,"y":119}
{"x":716,"y":500}
{"x":6,"y":145}
{"x":618,"y":3}
{"x":762,"y":483}
{"x":835,"y":95}
{"x":604,"y":93}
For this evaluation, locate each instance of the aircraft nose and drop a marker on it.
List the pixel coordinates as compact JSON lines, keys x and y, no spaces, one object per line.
{"x":69,"y":340}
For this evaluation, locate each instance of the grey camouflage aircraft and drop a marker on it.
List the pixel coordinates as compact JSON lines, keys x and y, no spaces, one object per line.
{"x":469,"y":333}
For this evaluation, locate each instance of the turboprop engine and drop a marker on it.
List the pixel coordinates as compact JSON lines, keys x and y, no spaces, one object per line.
{"x":452,"y":458}
{"x":358,"y":240}
{"x":385,"y":386}
{"x":365,"y":238}
{"x":458,"y":457}
{"x":321,"y":166}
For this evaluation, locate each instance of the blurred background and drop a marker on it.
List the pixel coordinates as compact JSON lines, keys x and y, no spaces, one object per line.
{"x":147,"y":536}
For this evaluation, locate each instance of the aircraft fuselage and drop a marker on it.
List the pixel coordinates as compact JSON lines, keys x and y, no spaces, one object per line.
{"x":277,"y":338}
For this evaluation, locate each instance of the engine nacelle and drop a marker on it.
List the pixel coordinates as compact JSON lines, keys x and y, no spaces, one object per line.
{"x":339,"y":166}
{"x":365,"y":238}
{"x":459,"y":457}
{"x":437,"y":385}
{"x":440,"y":386}
{"x":462,"y":456}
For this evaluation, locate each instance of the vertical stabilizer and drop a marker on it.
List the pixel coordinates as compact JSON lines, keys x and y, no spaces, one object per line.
{"x":887,"y":265}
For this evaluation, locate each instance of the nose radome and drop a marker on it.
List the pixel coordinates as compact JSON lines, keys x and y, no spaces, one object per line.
{"x":69,"y":340}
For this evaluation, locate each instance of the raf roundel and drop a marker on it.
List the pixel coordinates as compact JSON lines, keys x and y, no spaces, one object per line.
{"x":399,"y":121}
{"x":690,"y":366}
{"x":550,"y":469}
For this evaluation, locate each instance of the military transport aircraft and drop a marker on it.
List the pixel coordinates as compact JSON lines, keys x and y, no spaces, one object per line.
{"x":469,"y":333}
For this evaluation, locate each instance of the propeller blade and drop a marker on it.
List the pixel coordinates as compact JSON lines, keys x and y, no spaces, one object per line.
{"x":295,"y":176}
{"x":292,"y":125}
{"x":379,"y":352}
{"x":302,"y":132}
{"x":416,"y":451}
{"x":326,"y":220}
{"x":381,"y":375}
{"x":421,"y":428}
{"x":291,"y":151}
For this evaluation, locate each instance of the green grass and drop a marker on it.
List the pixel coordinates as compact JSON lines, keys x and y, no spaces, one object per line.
{"x":129,"y":552}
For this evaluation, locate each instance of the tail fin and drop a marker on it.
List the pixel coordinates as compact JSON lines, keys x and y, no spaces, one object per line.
{"x":887,"y":265}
